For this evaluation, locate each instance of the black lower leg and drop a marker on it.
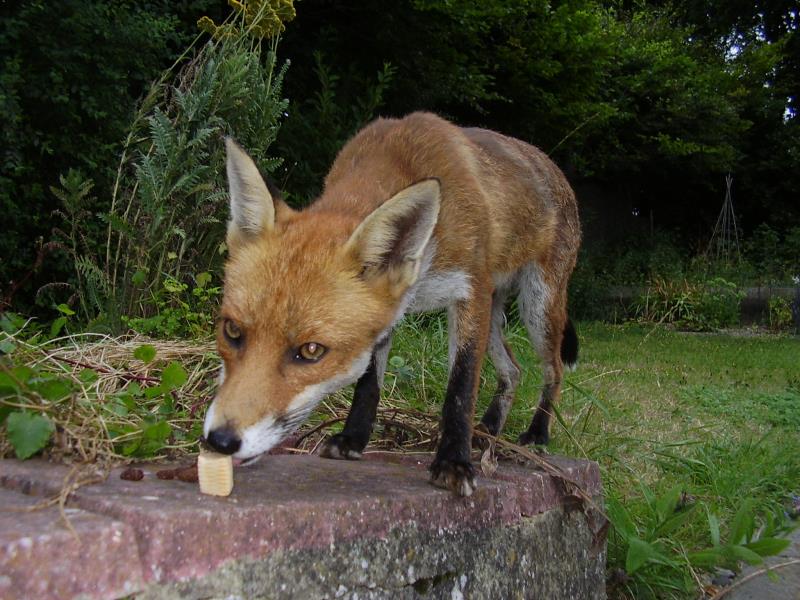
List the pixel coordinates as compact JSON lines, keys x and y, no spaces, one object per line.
{"x":495,"y":416}
{"x":452,"y":467}
{"x":539,"y":431}
{"x":360,"y":420}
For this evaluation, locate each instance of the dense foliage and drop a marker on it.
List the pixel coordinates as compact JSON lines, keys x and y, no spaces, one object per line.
{"x":646,"y":106}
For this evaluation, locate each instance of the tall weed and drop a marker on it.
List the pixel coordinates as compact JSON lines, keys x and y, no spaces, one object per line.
{"x":167,"y":213}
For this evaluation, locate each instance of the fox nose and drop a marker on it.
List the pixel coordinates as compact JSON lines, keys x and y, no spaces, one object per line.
{"x":224,"y":440}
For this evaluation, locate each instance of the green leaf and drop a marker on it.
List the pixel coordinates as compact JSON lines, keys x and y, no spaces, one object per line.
{"x":158,"y":431}
{"x":8,"y":385}
{"x":7,"y":347}
{"x":52,"y":389}
{"x":202,"y":279}
{"x":676,"y":522}
{"x":65,"y":310}
{"x":743,"y":524}
{"x":769,"y":546}
{"x":57,"y":325}
{"x":28,"y":433}
{"x":138,"y":277}
{"x":11,"y":322}
{"x":713,"y":527}
{"x":621,"y":519}
{"x":745,"y":554}
{"x":173,"y":376}
{"x":145,"y":353}
{"x":154,"y":392}
{"x":639,"y":552}
{"x":88,"y":376}
{"x":397,"y":362}
{"x":705,"y":558}
{"x":665,"y":505}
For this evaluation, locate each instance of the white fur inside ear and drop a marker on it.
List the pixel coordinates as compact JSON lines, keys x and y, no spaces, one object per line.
{"x":396,"y":233}
{"x":252,"y":207}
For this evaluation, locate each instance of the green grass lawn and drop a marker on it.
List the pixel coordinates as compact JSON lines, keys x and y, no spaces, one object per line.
{"x":697,"y":435}
{"x":700,"y":428}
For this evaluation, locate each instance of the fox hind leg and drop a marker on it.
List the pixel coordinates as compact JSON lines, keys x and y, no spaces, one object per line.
{"x":542,"y":308}
{"x":506,"y":367}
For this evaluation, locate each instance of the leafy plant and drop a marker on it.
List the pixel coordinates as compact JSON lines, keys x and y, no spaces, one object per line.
{"x":780,"y":313}
{"x":718,"y":304}
{"x":697,"y":306}
{"x":28,"y":432}
{"x":649,"y":540}
{"x":178,"y":311}
{"x":140,"y":410}
{"x":168,"y":208}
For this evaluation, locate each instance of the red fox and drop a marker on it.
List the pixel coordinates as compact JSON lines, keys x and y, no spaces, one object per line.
{"x":417,"y":214}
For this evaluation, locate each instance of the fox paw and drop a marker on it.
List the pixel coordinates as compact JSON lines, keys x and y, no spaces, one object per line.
{"x":536,"y":438}
{"x":456,"y":476}
{"x":340,"y":447}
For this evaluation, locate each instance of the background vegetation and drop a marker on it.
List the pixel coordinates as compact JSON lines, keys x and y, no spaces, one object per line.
{"x":114,"y":202}
{"x":646,"y":106}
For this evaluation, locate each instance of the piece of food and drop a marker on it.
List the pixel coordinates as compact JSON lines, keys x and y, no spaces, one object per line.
{"x":215,"y":472}
{"x":131,"y":474}
{"x":189,"y":474}
{"x":166,"y":474}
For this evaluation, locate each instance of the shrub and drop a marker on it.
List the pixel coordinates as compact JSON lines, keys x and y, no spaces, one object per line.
{"x":696,"y":306}
{"x":718,"y":305}
{"x":780,"y":314}
{"x":166,"y":220}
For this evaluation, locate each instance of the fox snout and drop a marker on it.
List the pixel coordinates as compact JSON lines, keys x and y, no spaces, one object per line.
{"x":224,"y":440}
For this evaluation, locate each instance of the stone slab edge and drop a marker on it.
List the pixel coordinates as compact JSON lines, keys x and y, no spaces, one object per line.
{"x":170,"y":540}
{"x":40,"y":557}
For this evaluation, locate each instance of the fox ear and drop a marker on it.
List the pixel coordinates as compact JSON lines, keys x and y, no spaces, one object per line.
{"x":252,"y":206}
{"x":392,"y":239}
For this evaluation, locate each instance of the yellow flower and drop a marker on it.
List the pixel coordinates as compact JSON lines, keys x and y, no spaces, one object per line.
{"x":262,"y":18}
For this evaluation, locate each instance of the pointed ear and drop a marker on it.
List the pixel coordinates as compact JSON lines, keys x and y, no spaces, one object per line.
{"x":392,"y":239}
{"x":252,"y":206}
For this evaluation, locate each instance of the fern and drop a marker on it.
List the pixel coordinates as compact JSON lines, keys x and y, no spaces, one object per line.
{"x":170,"y":221}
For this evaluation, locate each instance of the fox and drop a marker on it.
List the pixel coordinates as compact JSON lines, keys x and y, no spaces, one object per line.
{"x":416,"y":214}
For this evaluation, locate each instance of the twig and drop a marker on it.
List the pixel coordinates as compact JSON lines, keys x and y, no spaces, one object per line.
{"x":106,"y":370}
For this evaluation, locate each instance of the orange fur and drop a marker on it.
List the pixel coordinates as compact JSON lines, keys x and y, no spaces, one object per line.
{"x":503,"y":205}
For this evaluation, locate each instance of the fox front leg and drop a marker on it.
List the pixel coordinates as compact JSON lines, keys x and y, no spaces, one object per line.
{"x":350,"y":443}
{"x":469,"y":328}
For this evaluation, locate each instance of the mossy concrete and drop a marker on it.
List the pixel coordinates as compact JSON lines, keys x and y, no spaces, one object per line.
{"x":305,"y":527}
{"x":546,"y":557}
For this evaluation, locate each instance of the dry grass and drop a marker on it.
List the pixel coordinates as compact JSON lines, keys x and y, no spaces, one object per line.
{"x":87,"y":419}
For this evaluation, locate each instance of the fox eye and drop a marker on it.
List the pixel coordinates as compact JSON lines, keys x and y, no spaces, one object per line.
{"x":231,"y":331}
{"x":310,"y":352}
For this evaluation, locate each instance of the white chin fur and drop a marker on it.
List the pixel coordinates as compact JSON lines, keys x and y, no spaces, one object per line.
{"x":209,"y":420}
{"x":260,"y":438}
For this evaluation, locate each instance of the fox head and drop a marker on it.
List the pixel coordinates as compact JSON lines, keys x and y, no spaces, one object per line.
{"x":307,"y":295}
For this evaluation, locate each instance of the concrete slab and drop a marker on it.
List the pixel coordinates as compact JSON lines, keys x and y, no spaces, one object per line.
{"x":305,"y":507}
{"x":41,"y":558}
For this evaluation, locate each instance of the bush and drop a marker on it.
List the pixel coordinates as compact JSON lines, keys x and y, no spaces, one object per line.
{"x":697,"y":306}
{"x":718,"y":305}
{"x":780,"y":314}
{"x":165,"y":225}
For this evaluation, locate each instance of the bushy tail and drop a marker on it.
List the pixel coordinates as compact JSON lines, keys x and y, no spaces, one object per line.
{"x":569,"y":346}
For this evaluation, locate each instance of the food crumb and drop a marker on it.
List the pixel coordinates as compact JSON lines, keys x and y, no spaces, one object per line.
{"x":132,"y":474}
{"x":187,"y":474}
